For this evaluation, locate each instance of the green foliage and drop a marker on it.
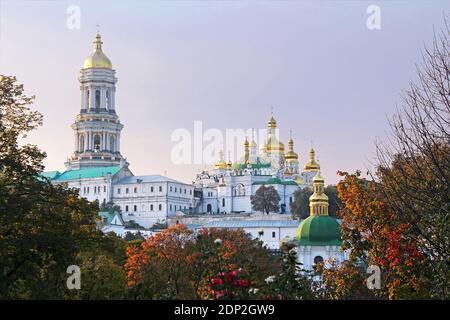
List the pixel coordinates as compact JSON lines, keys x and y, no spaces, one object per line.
{"x":300,"y":205}
{"x":266,"y":199}
{"x":44,"y":228}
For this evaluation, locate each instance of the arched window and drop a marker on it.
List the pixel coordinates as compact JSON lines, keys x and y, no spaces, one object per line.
{"x":160,"y":207}
{"x":97,"y":140}
{"x":223,"y":202}
{"x":97,"y":99}
{"x":209,"y":208}
{"x":239,"y":190}
{"x":107,"y":102}
{"x":318,"y":259}
{"x":112,"y":143}
{"x":88,"y":100}
{"x":81,"y":143}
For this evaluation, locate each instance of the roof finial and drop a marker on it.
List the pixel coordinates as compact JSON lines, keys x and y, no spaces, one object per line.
{"x":271,"y":110}
{"x":98,"y":28}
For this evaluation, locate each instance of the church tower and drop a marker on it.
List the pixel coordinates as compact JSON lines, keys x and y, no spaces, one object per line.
{"x":97,"y":127}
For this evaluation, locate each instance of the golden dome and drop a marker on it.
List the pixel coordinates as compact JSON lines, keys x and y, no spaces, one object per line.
{"x":97,"y":59}
{"x":312,"y":164}
{"x":291,"y":155}
{"x":274,"y":145}
{"x":221,"y":164}
{"x":272,"y":123}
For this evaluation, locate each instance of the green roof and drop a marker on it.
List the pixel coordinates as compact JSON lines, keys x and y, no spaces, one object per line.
{"x":86,"y":173}
{"x":276,"y":181}
{"x":319,"y":231}
{"x":50,"y":174}
{"x":258,"y":165}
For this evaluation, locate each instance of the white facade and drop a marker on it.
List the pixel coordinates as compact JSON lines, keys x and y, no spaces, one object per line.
{"x":271,"y":232}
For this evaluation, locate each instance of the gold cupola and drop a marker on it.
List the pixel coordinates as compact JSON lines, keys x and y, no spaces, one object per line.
{"x":273,"y":145}
{"x":246,"y":151}
{"x":291,"y":155}
{"x":318,"y":201}
{"x":97,"y":59}
{"x":221,"y":164}
{"x":312,"y":165}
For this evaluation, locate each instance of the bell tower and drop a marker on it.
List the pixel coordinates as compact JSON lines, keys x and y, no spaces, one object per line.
{"x":97,"y":127}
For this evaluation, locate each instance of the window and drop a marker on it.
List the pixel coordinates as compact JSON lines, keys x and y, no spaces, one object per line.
{"x":126,"y":208}
{"x":104,"y":188}
{"x":81,"y":143}
{"x":97,"y":99}
{"x":87,"y":189}
{"x":290,"y":199}
{"x":190,"y":192}
{"x":97,"y":142}
{"x":160,"y":189}
{"x":184,"y":191}
{"x":135,"y":208}
{"x":127,"y":190}
{"x":118,"y":190}
{"x":170,"y":207}
{"x":170,"y":188}
{"x":151,"y":189}
{"x":107,"y":104}
{"x":135,"y":190}
{"x":318,"y":259}
{"x":112,"y":143}
{"x":273,"y":234}
{"x":175,"y":189}
{"x":151,"y":207}
{"x":88,"y":94}
{"x":223,"y":202}
{"x":160,"y":207}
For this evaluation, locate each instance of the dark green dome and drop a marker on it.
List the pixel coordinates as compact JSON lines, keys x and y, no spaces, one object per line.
{"x":319,"y":230}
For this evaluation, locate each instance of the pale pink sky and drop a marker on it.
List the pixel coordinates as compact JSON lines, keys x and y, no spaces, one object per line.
{"x":330,"y":79}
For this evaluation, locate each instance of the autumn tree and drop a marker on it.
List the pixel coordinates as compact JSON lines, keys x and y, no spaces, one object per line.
{"x":414,"y":167}
{"x":177,"y":264}
{"x":266,"y":199}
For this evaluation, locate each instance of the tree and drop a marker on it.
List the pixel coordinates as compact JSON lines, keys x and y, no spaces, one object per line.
{"x":414,"y":167}
{"x":266,"y":200}
{"x":290,"y":283}
{"x":300,"y":205}
{"x":333,"y":200}
{"x":43,"y":227}
{"x":176,"y":264}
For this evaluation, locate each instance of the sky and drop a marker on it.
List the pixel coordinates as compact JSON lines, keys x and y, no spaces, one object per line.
{"x":330,"y":79}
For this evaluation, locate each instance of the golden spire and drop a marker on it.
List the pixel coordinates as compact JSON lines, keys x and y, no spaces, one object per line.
{"x":221,"y":164}
{"x":97,"y":59}
{"x":291,"y":155}
{"x":312,"y":164}
{"x":246,"y":151}
{"x":318,"y":201}
{"x":253,"y":143}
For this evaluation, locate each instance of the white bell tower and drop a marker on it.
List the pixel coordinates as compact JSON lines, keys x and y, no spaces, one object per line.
{"x":97,"y":127}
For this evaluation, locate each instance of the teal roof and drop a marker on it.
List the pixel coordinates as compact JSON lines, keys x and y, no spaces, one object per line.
{"x":50,"y":174}
{"x":319,"y":231}
{"x":276,"y":181}
{"x":107,"y":215}
{"x":86,"y":173}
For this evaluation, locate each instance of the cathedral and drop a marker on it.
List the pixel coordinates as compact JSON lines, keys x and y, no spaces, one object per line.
{"x":229,"y":186}
{"x":99,"y":171}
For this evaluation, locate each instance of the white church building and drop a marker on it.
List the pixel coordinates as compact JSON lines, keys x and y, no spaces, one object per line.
{"x":101,"y":173}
